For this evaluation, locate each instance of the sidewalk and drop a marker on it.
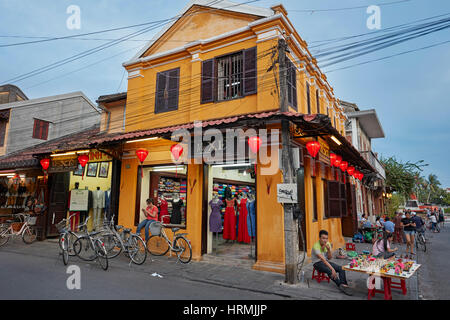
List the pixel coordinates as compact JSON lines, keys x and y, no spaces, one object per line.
{"x":234,"y":276}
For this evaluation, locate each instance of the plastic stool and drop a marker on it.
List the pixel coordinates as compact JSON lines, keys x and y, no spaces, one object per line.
{"x":320,"y":276}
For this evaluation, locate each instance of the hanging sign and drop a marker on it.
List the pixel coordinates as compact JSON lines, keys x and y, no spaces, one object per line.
{"x":287,"y":193}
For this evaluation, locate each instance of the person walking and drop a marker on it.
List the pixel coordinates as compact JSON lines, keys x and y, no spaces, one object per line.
{"x":409,"y":228}
{"x":434,"y":222}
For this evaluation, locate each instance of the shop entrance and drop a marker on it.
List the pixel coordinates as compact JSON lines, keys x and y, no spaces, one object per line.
{"x":230,"y":197}
{"x":59,"y":184}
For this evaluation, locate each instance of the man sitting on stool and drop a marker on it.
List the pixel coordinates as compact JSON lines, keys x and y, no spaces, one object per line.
{"x":321,"y":254}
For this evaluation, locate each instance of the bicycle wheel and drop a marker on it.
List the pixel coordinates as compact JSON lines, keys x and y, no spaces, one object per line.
{"x":29,"y":235}
{"x":112,"y":245}
{"x":4,"y":235}
{"x":83,"y":249}
{"x":137,"y":249}
{"x":423,"y":243}
{"x":64,"y":243}
{"x":183,"y":249}
{"x":157,"y":246}
{"x":102,"y":255}
{"x":72,"y":237}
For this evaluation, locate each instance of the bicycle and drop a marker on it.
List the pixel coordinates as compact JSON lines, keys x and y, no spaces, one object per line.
{"x":27,"y":231}
{"x":66,"y":238}
{"x":94,"y":245}
{"x":159,"y":244}
{"x":117,"y":241}
{"x":420,"y":240}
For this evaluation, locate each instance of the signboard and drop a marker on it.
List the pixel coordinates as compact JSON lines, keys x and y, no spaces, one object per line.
{"x":79,"y":200}
{"x":287,"y":193}
{"x":63,"y":165}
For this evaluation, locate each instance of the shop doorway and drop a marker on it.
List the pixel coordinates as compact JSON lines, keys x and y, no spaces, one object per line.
{"x":59,"y":184}
{"x":230,"y":221}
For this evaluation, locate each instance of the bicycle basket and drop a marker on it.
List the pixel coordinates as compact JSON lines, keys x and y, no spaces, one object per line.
{"x":155,"y":228}
{"x":31,"y":221}
{"x":61,"y":225}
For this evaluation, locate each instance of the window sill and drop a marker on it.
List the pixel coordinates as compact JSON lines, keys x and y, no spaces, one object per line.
{"x":164,"y":111}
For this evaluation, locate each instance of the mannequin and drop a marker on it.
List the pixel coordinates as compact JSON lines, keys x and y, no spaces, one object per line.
{"x":242,"y":229}
{"x":229,"y":222}
{"x":98,"y":204}
{"x":177,"y":203}
{"x":251,"y":217}
{"x":163,"y":210}
{"x":215,"y":220}
{"x":108,"y":204}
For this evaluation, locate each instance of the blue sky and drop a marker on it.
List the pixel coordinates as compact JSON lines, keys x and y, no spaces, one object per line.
{"x":410,"y":92}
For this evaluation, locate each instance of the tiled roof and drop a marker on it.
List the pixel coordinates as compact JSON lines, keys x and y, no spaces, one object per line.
{"x":112,"y":97}
{"x":25,"y":157}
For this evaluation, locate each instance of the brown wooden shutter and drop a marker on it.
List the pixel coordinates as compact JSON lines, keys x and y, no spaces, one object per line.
{"x":2,"y":132}
{"x":160,"y":96}
{"x":344,"y":212}
{"x":317,"y":101}
{"x":250,"y":73}
{"x":45,"y":126}
{"x":308,"y":98}
{"x":325,"y":198}
{"x":334,"y":199}
{"x":173,"y":89}
{"x":207,"y":90}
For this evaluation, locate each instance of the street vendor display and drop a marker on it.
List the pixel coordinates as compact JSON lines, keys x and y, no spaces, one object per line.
{"x":386,"y":269}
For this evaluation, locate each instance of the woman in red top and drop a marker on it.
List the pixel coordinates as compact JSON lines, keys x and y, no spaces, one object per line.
{"x":151,"y":212}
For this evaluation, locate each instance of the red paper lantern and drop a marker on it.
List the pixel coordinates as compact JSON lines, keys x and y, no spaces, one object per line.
{"x":351,"y":170}
{"x":361,"y":176}
{"x":83,"y":160}
{"x":45,"y":163}
{"x":254,"y":143}
{"x":142,"y":155}
{"x":343,"y":165}
{"x":313,"y":148}
{"x":177,"y":151}
{"x":338,"y":161}
{"x":332,"y":158}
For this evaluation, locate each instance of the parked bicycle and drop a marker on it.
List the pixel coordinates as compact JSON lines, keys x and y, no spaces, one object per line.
{"x":420,"y":240}
{"x":159,"y":244}
{"x":27,"y":230}
{"x":90,"y":247}
{"x":118,"y":239}
{"x":67,"y":238}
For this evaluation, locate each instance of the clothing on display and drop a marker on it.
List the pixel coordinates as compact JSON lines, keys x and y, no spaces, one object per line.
{"x":98,"y":203}
{"x":215,"y":219}
{"x":175,"y":217}
{"x":167,"y":188}
{"x":251,"y":218}
{"x":243,"y":235}
{"x":108,"y":204}
{"x":229,"y":224}
{"x":164,"y":211}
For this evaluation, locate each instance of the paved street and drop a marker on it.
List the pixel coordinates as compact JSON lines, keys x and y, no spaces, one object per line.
{"x":36,"y":271}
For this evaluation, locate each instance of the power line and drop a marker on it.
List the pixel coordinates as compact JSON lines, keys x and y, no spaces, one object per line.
{"x":349,"y":8}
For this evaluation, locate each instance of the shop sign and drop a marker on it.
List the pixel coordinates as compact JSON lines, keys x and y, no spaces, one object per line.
{"x":287,"y":193}
{"x":324,"y":152}
{"x":79,"y":200}
{"x":63,"y":165}
{"x":98,"y":156}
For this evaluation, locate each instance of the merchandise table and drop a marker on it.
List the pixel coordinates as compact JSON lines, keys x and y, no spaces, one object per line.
{"x":387,"y":278}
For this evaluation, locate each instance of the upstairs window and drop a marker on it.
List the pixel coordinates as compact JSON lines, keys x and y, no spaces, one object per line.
{"x":167,"y":90}
{"x":40,"y":129}
{"x":308,"y":98}
{"x":317,"y":101}
{"x":291,"y":83}
{"x":229,"y":77}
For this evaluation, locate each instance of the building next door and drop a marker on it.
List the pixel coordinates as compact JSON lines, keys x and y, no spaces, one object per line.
{"x":59,"y":186}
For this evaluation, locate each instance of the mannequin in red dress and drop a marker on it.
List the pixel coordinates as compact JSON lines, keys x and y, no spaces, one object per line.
{"x":163,"y":210}
{"x":242,"y":227}
{"x":229,"y":221}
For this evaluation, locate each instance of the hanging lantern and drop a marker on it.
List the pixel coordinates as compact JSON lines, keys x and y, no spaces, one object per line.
{"x":83,"y":160}
{"x":313,"y":148}
{"x":142,"y":155}
{"x":343,"y":166}
{"x":332,"y":159}
{"x":351,"y":170}
{"x":177,"y":151}
{"x":254,"y":143}
{"x":361,"y":176}
{"x":45,"y":163}
{"x":338,"y":161}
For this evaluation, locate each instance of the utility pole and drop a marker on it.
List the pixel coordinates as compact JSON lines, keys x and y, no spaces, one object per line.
{"x":290,"y":226}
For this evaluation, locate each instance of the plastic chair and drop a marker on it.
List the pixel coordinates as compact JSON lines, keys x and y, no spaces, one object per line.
{"x":320,"y":276}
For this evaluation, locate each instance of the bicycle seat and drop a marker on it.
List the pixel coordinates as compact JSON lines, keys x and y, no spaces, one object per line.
{"x":175,"y":229}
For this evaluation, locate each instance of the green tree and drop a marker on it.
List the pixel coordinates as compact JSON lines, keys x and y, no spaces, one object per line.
{"x":433,"y":187}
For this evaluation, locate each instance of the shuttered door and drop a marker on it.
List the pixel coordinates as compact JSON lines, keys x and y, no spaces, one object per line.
{"x":334,"y":199}
{"x":344,"y":211}
{"x":207,"y":81}
{"x":250,"y":73}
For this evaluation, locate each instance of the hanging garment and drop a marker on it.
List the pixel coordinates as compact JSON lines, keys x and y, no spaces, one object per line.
{"x":215,"y":220}
{"x":251,"y":218}
{"x":229,"y":223}
{"x":163,"y":211}
{"x":243,"y":231}
{"x":175,"y":218}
